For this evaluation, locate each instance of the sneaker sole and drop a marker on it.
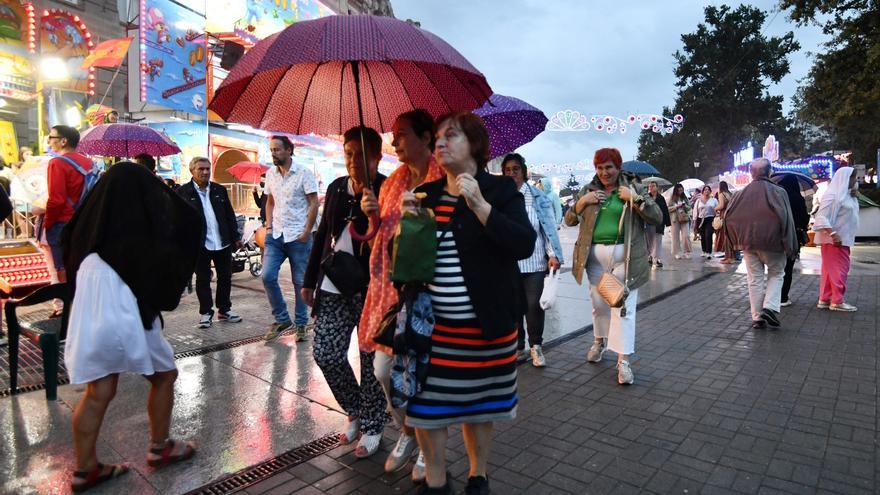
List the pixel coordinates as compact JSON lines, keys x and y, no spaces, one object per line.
{"x":842,"y":310}
{"x":228,"y":320}
{"x":599,"y":359}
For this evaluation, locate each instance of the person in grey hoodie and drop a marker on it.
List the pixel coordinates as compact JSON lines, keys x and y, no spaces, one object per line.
{"x":758,"y":221}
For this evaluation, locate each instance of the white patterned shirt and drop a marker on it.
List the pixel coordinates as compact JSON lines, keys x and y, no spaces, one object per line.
{"x":537,"y":262}
{"x":291,"y":205}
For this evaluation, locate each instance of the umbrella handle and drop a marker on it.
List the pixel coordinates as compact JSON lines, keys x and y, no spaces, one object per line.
{"x":370,"y":233}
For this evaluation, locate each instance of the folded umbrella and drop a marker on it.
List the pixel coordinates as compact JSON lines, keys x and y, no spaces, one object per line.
{"x":249,"y":172}
{"x":511,"y":123}
{"x":128,"y":140}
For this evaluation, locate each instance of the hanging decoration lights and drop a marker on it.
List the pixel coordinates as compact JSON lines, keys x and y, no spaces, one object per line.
{"x":574,"y":121}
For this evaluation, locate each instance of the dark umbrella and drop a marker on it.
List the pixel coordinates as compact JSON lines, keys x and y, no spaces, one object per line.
{"x":127,"y":140}
{"x":806,"y":183}
{"x":642,"y":169}
{"x":328,"y":75}
{"x":511,"y":123}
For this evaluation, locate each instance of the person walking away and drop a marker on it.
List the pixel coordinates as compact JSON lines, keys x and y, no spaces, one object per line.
{"x":722,"y":243}
{"x":147,"y":161}
{"x":546,"y":186}
{"x":547,"y":256}
{"x":655,"y":236}
{"x":129,"y":249}
{"x":758,"y":221}
{"x":705,"y":214}
{"x":413,"y":141}
{"x":798,"y":204}
{"x":836,"y":223}
{"x":477,"y":299}
{"x":66,"y":180}
{"x":220,"y":231}
{"x":337,"y":313}
{"x":291,"y":209}
{"x":259,"y":195}
{"x":680,"y":215}
{"x":614,"y":215}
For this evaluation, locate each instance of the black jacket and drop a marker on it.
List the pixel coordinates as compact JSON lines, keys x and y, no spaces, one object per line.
{"x":667,"y":222}
{"x":338,"y":206}
{"x":222,"y":210}
{"x":489,"y":253}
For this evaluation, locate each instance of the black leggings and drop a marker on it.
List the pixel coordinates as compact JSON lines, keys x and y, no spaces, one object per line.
{"x":534,"y":317}
{"x":706,"y":232}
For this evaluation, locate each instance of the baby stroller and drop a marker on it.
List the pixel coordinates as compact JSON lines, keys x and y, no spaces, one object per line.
{"x":249,"y":254}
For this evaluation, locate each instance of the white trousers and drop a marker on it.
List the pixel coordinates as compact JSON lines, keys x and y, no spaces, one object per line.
{"x":382,"y":363}
{"x":681,"y":237}
{"x":655,"y":243}
{"x":619,"y":331}
{"x":761,"y":297}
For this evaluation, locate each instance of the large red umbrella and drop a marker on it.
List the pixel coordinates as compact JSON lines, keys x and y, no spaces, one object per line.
{"x":248,"y":171}
{"x":328,"y":75}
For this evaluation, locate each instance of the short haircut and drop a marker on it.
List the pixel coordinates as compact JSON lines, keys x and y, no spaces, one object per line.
{"x":198,"y":159}
{"x":68,"y":133}
{"x":147,"y":161}
{"x":608,"y":155}
{"x":285,"y":141}
{"x":421,"y":122}
{"x":516,"y":157}
{"x":372,"y":139}
{"x":760,"y":167}
{"x":474,"y":130}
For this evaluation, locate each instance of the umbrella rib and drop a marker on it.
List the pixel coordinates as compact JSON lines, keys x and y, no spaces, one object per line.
{"x":442,"y":96}
{"x":341,"y":85}
{"x":405,"y":90}
{"x":375,"y":98}
{"x":308,"y":89}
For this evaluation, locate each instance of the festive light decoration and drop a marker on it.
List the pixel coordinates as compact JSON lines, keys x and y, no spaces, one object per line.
{"x":565,"y":168}
{"x":76,"y":23}
{"x":771,"y":149}
{"x":143,"y":51}
{"x":32,"y":28}
{"x":574,"y":121}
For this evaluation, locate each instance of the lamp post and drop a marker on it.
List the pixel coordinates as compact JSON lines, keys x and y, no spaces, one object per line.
{"x":696,"y":168}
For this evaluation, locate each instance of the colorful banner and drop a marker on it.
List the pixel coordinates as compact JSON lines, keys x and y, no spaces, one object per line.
{"x":191,"y":138}
{"x":64,"y":36}
{"x":16,"y":72}
{"x":108,"y":53}
{"x":173,"y":56}
{"x":8,"y":143}
{"x":263,"y":18}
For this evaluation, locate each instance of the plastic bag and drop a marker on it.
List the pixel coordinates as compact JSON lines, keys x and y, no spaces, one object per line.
{"x":551,"y":286}
{"x":415,"y":248}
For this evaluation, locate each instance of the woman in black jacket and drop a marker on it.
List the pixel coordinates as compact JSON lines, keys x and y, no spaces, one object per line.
{"x":801,"y":222}
{"x":477,"y":298}
{"x":654,"y":234}
{"x":336,"y":312}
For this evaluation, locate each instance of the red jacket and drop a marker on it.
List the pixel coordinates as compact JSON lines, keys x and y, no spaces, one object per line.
{"x":65,"y":182}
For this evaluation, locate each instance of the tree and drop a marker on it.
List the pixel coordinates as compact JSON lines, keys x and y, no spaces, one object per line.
{"x":841,"y":94}
{"x":723,"y":71}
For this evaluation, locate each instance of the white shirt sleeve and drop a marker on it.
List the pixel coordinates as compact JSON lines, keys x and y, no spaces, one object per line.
{"x":309,"y":183}
{"x":268,"y":187}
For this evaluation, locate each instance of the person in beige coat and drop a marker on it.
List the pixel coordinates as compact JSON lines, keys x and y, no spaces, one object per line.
{"x":612,"y":211}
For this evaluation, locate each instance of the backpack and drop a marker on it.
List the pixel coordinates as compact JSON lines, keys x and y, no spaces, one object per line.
{"x":90,"y":178}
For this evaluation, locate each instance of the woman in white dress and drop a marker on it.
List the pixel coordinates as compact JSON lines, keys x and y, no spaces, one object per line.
{"x":130,"y":248}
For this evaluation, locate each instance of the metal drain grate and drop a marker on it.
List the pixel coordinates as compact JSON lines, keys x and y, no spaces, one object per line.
{"x":201,"y":351}
{"x":254,"y":474}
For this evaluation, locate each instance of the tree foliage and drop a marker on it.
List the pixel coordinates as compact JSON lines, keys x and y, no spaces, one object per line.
{"x":841,"y":94}
{"x":723,"y":71}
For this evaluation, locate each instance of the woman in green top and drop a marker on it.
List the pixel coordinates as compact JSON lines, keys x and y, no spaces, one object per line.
{"x":603,"y":242}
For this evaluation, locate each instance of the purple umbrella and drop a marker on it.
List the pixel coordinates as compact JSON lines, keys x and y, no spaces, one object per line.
{"x":127,"y":140}
{"x":511,"y":123}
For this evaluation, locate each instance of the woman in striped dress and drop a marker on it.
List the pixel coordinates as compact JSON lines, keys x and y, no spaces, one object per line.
{"x":477,"y":298}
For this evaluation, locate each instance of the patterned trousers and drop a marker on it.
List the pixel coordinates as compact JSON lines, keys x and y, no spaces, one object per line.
{"x":337,"y":317}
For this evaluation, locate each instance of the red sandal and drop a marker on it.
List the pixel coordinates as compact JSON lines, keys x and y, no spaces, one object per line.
{"x":167,"y":456}
{"x":97,"y":476}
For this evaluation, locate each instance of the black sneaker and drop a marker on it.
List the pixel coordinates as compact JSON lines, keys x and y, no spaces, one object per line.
{"x":477,"y":485}
{"x":759,"y":324}
{"x":771,"y":318}
{"x":443,"y":490}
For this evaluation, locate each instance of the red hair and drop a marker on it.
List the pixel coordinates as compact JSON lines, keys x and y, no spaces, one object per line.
{"x":608,"y":155}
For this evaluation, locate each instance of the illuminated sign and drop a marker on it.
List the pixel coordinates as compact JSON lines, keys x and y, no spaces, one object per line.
{"x":744,"y":156}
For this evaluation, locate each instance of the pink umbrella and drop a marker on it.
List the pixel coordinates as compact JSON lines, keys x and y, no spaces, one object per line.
{"x":127,"y":140}
{"x":248,"y":171}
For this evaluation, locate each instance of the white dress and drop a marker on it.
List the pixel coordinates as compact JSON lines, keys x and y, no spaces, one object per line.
{"x":105,"y":334}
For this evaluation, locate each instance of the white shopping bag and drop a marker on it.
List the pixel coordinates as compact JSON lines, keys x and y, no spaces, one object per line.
{"x":551,"y":285}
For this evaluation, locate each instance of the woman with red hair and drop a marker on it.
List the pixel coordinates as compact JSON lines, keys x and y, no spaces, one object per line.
{"x":612,"y":211}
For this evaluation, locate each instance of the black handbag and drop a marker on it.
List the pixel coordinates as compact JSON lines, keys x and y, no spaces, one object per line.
{"x":345,"y":271}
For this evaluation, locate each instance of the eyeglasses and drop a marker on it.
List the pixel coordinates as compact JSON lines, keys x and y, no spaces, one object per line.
{"x":53,"y":137}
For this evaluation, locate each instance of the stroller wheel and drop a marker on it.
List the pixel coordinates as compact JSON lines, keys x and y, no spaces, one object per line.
{"x":256,"y":268}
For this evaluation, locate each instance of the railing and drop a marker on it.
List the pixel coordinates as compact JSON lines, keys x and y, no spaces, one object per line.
{"x":20,"y":224}
{"x":242,"y":198}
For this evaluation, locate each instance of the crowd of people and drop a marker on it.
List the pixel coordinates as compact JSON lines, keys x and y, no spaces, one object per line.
{"x":435,"y":351}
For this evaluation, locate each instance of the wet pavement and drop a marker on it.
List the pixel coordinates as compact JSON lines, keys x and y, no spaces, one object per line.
{"x":696,"y":356}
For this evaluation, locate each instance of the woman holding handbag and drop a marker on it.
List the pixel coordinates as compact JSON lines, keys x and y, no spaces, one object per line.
{"x":680,"y":213}
{"x":722,"y":243}
{"x":334,"y":286}
{"x":613,"y":212}
{"x":705,"y":217}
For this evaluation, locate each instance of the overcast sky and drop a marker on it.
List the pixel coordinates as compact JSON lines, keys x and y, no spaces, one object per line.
{"x":596,"y":57}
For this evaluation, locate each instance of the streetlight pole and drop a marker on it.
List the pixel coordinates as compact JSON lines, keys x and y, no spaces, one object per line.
{"x":696,"y":168}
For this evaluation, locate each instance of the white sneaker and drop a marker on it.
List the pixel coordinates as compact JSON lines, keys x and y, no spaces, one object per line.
{"x":594,"y":355}
{"x":401,"y":453}
{"x":823,"y":304}
{"x":785,"y":304}
{"x":678,"y":256}
{"x":418,"y":472}
{"x":205,"y":320}
{"x":352,"y":430}
{"x":368,"y":445}
{"x":849,"y":308}
{"x":538,"y":360}
{"x":624,"y":373}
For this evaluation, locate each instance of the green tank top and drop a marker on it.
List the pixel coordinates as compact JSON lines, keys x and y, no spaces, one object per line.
{"x":606,"y":229}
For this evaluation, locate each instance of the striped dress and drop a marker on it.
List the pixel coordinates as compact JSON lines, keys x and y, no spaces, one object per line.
{"x":470,"y":379}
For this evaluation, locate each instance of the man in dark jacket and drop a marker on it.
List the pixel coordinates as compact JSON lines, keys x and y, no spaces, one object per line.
{"x":654,"y":233}
{"x":221,"y":235}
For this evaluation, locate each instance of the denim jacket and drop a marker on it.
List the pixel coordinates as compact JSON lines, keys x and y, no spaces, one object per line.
{"x":547,"y":219}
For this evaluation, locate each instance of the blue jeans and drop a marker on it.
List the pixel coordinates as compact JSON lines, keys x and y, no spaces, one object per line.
{"x":297,"y":253}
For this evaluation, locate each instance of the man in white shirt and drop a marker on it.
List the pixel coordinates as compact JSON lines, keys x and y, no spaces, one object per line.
{"x":221,"y":236}
{"x":291,"y":209}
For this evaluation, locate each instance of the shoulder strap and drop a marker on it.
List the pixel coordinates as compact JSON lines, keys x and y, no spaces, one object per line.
{"x":73,"y":164}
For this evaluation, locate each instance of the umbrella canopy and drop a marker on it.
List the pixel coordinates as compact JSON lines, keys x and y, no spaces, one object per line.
{"x":639,"y":168}
{"x":511,"y":123}
{"x":127,"y":140}
{"x":661,"y":182}
{"x":248,"y":171}
{"x":317,"y":76}
{"x":691,"y":184}
{"x":805,"y":182}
